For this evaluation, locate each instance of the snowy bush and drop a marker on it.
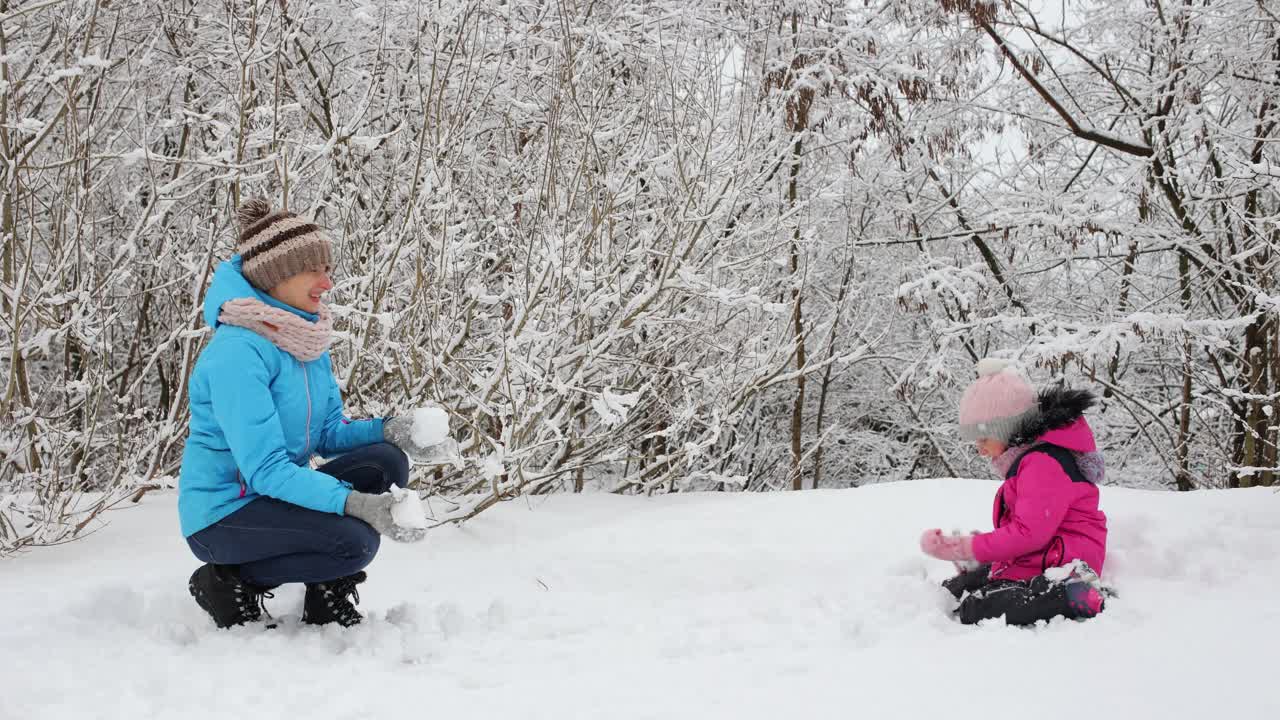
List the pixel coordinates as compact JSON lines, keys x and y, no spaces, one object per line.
{"x":647,"y":246}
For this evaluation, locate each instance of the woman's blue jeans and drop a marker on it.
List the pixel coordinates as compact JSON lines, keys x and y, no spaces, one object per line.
{"x":276,"y":542}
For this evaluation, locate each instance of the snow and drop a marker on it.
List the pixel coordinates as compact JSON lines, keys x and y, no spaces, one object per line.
{"x":134,"y":156}
{"x":430,"y":426}
{"x":991,"y":366}
{"x":613,"y":407}
{"x":94,"y":60}
{"x":64,"y":73}
{"x":31,"y":126}
{"x":494,"y":464}
{"x":407,"y":510}
{"x":1079,"y":567}
{"x":813,"y":604}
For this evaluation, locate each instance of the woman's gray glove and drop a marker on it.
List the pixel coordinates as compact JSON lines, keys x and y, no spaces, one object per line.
{"x":376,"y":510}
{"x":399,"y":432}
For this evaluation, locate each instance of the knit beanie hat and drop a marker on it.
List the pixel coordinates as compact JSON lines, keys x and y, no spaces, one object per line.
{"x":275,"y":245}
{"x":997,"y":403}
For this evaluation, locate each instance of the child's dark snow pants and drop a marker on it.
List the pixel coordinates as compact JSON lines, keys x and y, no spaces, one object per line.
{"x":1021,"y":602}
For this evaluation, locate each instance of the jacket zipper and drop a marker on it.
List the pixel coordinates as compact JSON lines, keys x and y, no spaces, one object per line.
{"x":306,"y":383}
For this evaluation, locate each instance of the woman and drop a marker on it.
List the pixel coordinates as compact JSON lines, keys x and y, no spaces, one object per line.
{"x":263,"y":402}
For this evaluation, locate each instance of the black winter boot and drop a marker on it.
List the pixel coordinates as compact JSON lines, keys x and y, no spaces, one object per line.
{"x":332,"y":601}
{"x":968,"y":581}
{"x":227,"y":598}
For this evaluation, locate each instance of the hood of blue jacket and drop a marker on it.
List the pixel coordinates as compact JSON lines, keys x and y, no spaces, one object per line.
{"x":229,"y":283}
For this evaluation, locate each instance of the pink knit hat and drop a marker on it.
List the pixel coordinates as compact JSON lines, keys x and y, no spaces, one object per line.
{"x":997,"y":403}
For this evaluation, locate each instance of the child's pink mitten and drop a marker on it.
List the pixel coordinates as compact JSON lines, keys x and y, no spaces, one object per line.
{"x":947,"y":547}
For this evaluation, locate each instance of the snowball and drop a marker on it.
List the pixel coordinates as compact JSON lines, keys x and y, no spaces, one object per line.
{"x":430,"y":426}
{"x":407,"y":510}
{"x":965,"y":565}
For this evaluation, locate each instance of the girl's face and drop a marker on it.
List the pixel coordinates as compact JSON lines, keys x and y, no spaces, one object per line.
{"x":991,"y":448}
{"x":304,"y":290}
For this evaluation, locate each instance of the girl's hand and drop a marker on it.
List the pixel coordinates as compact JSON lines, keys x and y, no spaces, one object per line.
{"x":946,"y":547}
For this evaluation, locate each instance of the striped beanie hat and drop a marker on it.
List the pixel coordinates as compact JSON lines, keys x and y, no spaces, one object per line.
{"x":275,"y":245}
{"x":997,"y":403}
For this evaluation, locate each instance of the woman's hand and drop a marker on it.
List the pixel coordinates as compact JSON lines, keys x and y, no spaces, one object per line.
{"x":376,"y":510}
{"x":400,"y":431}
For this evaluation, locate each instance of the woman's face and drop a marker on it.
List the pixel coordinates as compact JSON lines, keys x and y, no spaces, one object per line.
{"x":303,"y":290}
{"x":991,"y":448}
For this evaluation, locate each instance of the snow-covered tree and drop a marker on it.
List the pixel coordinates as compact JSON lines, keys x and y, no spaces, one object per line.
{"x":648,"y":246}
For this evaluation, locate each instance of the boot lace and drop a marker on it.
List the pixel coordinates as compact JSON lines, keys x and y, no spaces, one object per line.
{"x":251,"y":602}
{"x":341,"y":598}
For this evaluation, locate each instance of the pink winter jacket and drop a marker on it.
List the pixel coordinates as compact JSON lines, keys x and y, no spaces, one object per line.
{"x":1043,"y":519}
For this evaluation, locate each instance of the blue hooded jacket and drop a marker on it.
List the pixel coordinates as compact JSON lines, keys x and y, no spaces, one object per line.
{"x":258,"y":414}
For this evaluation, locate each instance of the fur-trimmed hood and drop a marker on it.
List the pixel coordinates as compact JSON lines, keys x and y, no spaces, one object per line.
{"x":1059,"y":409}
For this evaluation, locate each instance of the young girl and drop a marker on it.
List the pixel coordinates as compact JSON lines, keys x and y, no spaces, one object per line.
{"x":1045,"y":556}
{"x":263,"y":402}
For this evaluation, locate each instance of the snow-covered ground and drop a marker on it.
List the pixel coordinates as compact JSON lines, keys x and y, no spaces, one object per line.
{"x":783,"y":605}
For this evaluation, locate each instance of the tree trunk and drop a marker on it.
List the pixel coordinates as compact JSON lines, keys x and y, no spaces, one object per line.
{"x":797,"y":319}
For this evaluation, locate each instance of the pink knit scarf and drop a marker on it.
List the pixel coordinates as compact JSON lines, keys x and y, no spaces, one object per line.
{"x":297,"y":336}
{"x":1091,"y":464}
{"x":1004,"y":461}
